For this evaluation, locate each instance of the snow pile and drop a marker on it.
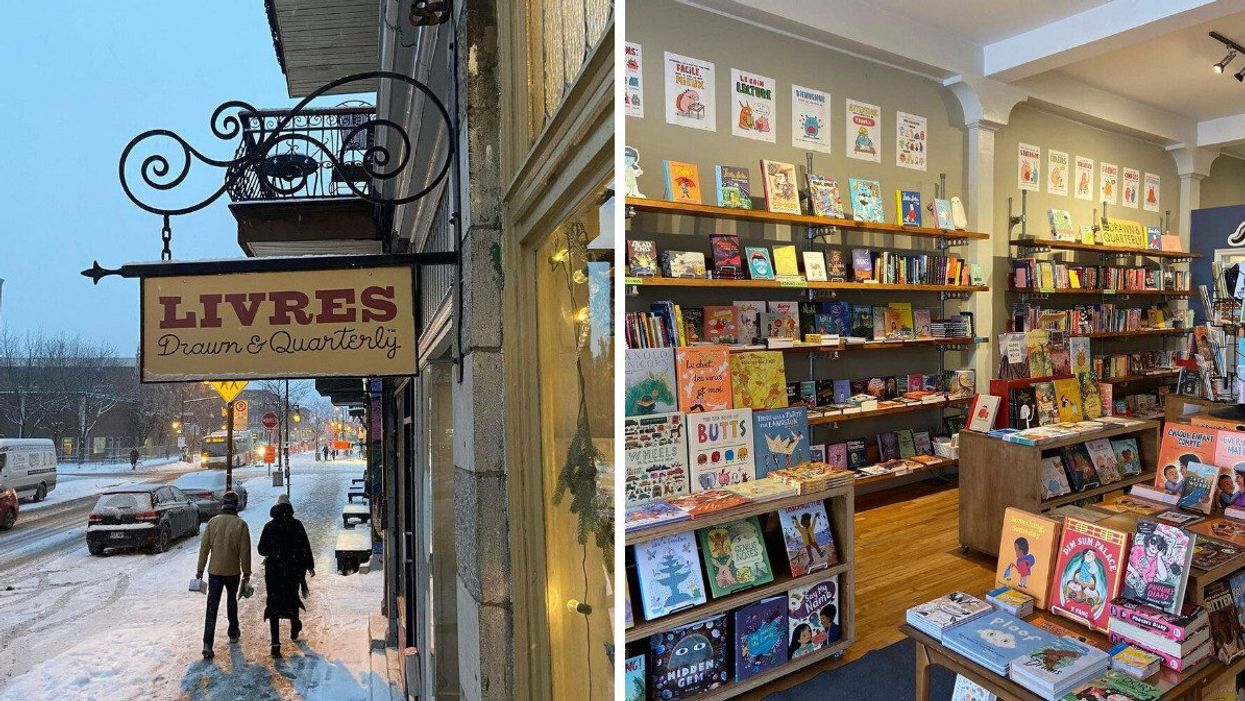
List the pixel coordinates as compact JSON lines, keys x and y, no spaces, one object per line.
{"x":66,"y":467}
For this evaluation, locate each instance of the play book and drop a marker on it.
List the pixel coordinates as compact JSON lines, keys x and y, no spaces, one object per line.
{"x":1068,"y":398}
{"x":727,"y":261}
{"x":701,"y":504}
{"x":1054,"y":478}
{"x":935,"y":618}
{"x":1026,"y":554}
{"x":704,"y":379}
{"x":1198,"y":491}
{"x":682,"y":182}
{"x":760,"y":636}
{"x":1088,"y":569}
{"x":649,"y":381}
{"x":758,"y":380}
{"x":780,"y":438}
{"x":721,"y":324}
{"x":719,"y":448}
{"x":823,"y":192}
{"x":807,"y":534}
{"x":656,"y":456}
{"x":635,"y":680}
{"x":1127,"y":456}
{"x":785,"y":265}
{"x":1080,"y":467}
{"x":981,"y":416}
{"x":1182,"y":444}
{"x":734,"y":186}
{"x":813,"y":617}
{"x":1224,"y":621}
{"x":908,"y":207}
{"x":994,"y":640}
{"x":942,"y":214}
{"x":652,"y":513}
{"x":735,"y":556}
{"x":641,"y":258}
{"x":691,"y":659}
{"x":1158,"y":566}
{"x":1104,"y":460}
{"x":866,"y":200}
{"x":814,"y":266}
{"x":669,"y":572}
{"x":781,"y":194}
{"x":1061,"y":225}
{"x":759,"y":265}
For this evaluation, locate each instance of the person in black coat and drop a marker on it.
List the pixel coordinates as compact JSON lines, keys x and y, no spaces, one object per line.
{"x":287,"y":561}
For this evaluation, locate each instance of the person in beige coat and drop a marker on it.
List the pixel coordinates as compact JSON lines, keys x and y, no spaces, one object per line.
{"x":227,"y":540}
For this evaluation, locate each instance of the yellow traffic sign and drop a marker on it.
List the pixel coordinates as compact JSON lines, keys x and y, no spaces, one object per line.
{"x":229,"y":391}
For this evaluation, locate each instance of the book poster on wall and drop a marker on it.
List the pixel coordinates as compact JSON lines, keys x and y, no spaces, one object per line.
{"x":1028,"y":167}
{"x":1108,"y":182}
{"x":1056,"y":172}
{"x":633,"y":94}
{"x":1150,"y":193}
{"x":1130,"y":187}
{"x":810,"y":119}
{"x":752,"y":106}
{"x":911,"y":140}
{"x":1084,"y":188}
{"x":864,"y":131}
{"x":690,"y":96}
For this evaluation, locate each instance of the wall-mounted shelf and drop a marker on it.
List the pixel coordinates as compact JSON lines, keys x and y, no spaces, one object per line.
{"x":871,"y":345}
{"x":1093,"y":248}
{"x":836,"y":418}
{"x":796,"y":284}
{"x":1134,"y":333}
{"x":1104,"y":293}
{"x":1122,"y":379}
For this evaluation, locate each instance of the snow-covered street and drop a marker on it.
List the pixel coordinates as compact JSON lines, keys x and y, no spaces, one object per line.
{"x":124,"y":626}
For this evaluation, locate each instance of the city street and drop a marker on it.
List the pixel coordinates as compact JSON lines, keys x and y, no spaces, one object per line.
{"x":123,"y":626}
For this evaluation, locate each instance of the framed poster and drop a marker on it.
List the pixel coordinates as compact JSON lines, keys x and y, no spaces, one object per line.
{"x":1130,"y":187}
{"x":1108,"y":182}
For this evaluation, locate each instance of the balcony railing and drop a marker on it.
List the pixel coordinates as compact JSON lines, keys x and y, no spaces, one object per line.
{"x":299,"y":163}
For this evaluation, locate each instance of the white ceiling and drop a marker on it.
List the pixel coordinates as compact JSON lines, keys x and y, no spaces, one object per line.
{"x":984,"y":21}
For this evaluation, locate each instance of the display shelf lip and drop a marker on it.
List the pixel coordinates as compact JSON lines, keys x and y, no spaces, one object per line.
{"x":1103,"y":292}
{"x":760,"y":215}
{"x":734,"y":688}
{"x":1029,"y":381}
{"x":1072,"y":497}
{"x":1132,"y":378}
{"x":1081,"y":438}
{"x":1099,"y":248}
{"x":869,"y":345}
{"x":875,"y":479}
{"x":836,"y":418}
{"x":662,"y":281}
{"x":731,"y":601}
{"x":752,"y":508}
{"x":1135,"y":332}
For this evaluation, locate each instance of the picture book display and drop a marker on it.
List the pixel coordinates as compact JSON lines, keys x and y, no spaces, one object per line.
{"x":1054,"y":478}
{"x":785,"y":265}
{"x":650,"y":381}
{"x":719,"y":448}
{"x":1182,"y":444}
{"x":1088,"y":569}
{"x":635,"y":681}
{"x":1198,"y":491}
{"x":807,"y":534}
{"x":781,"y":193}
{"x":641,"y":258}
{"x":758,"y":380}
{"x":1027,"y":553}
{"x":1127,"y":456}
{"x":813,"y":617}
{"x":656,"y":456}
{"x":760,"y":267}
{"x":781,"y":438}
{"x":721,"y":324}
{"x":994,"y":640}
{"x":704,"y":378}
{"x":866,"y":200}
{"x":735,"y":556}
{"x":734,"y":186}
{"x":669,"y":572}
{"x":691,"y":659}
{"x":1158,"y":566}
{"x":760,"y":636}
{"x":824,"y":194}
{"x":682,"y":182}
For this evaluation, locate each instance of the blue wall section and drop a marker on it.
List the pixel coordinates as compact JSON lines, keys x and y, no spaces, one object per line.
{"x":1211,"y":229}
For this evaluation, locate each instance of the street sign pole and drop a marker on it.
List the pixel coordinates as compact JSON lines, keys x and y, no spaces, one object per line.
{"x":287,"y":438}
{"x":229,"y":446}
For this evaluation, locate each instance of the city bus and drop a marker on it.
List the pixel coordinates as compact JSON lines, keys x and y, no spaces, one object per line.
{"x":214,"y":445}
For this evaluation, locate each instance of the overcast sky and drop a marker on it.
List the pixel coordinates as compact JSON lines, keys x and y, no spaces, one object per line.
{"x":84,"y":79}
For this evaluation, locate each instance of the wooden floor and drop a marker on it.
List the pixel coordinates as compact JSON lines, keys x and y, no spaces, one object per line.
{"x":907,"y":552}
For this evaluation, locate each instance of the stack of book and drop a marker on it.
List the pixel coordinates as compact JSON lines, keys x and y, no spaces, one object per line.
{"x":813,"y":477}
{"x":935,"y":618}
{"x":1079,"y":663}
{"x":1181,"y":640}
{"x":1013,"y":601}
{"x":995,"y":640}
{"x":1134,"y":661}
{"x":763,"y":490}
{"x":958,"y":326}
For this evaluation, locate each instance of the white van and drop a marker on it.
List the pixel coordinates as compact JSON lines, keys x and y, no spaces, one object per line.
{"x":28,"y":465}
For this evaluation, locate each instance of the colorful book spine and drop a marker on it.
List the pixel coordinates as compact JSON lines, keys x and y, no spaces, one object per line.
{"x":1174,"y":628}
{"x":1169,"y":661}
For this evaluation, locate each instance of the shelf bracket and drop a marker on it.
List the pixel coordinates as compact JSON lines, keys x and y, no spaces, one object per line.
{"x":816,"y":232}
{"x":1022,"y":218}
{"x":629,"y":212}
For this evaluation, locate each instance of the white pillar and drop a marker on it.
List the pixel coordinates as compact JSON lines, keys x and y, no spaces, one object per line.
{"x":979,"y":196}
{"x":1193,"y":165}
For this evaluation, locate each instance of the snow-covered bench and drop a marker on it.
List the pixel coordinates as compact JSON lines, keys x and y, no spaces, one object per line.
{"x":363,"y":512}
{"x":354,"y":546}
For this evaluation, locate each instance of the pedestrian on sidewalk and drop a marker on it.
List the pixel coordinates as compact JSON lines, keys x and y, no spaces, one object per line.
{"x":133,"y":458}
{"x":287,"y":561}
{"x":325,"y":450}
{"x":227,"y":540}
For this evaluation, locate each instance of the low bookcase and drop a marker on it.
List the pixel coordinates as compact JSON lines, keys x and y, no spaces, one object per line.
{"x":840,"y":507}
{"x":996,"y":474}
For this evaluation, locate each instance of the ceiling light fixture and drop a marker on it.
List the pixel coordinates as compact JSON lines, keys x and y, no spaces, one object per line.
{"x":1226,"y":60}
{"x":1233,"y":48}
{"x":1240,"y":76}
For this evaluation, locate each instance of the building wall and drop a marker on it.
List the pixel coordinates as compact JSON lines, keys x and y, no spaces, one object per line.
{"x":1225,"y":185}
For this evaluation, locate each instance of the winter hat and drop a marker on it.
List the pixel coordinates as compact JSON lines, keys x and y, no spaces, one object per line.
{"x":283,"y":499}
{"x":230,"y":501}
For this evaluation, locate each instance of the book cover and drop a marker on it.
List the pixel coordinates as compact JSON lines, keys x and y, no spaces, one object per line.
{"x":700,"y":504}
{"x":758,"y":380}
{"x":1061,"y":664}
{"x":719,"y":448}
{"x":1225,"y":623}
{"x":734,"y":186}
{"x":684,"y":264}
{"x":1023,"y":408}
{"x":862,"y":320}
{"x":694,"y":324}
{"x":1038,"y":343}
{"x":967,"y":690}
{"x":727,"y":261}
{"x":749,"y":319}
{"x":682,"y":182}
{"x":836,"y":454}
{"x":922,"y":442}
{"x":906,"y":323}
{"x":836,"y":267}
{"x":817,"y":452}
{"x":1209,"y":554}
{"x":1154,"y":238}
{"x":1230,"y":449}
{"x":866,"y":200}
{"x":635,"y":680}
{"x":652,"y":513}
{"x":704,"y":378}
{"x":1078,"y":355}
{"x":983,"y":412}
{"x":1127,"y":503}
{"x":780,"y":325}
{"x":1068,"y":397}
{"x":920,"y":321}
{"x":785,"y":265}
{"x":1198,"y":491}
{"x":1158,"y":566}
{"x":762,"y":490}
{"x":862,"y":265}
{"x":807,"y":534}
{"x":1182,"y":444}
{"x":1061,"y":225}
{"x":655,"y":449}
{"x":641,"y":258}
{"x":781,"y":438}
{"x":942,"y":215}
{"x":1119,"y":686}
{"x":781,"y":194}
{"x":814,"y":266}
{"x":1047,"y":405}
{"x":1026,"y":554}
{"x":1087,"y":573}
{"x":1060,"y":359}
{"x":823,"y":192}
{"x":888,"y":445}
{"x":1127,"y":456}
{"x":841,"y":317}
{"x":1054,"y":478}
{"x":995,"y":639}
{"x":735,"y":556}
{"x":721,"y":324}
{"x":908,"y":207}
{"x":1091,"y":401}
{"x":813,"y":617}
{"x":669,"y":572}
{"x":938,"y":616}
{"x":649,"y":381}
{"x":1080,"y":467}
{"x":1104,"y":460}
{"x":857,"y":453}
{"x":759,"y":265}
{"x":690,"y":659}
{"x":760,"y":636}
{"x":907,"y":445}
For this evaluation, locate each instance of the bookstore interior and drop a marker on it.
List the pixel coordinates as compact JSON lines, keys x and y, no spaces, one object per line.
{"x":933,"y":379}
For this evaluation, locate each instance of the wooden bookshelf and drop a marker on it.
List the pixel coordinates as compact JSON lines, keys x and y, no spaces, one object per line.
{"x":733,"y":689}
{"x":869,"y":345}
{"x":1133,"y":334}
{"x":755,"y":508}
{"x":1146,"y":477}
{"x":638,"y":204}
{"x":1095,"y":248}
{"x":796,"y":284}
{"x":836,"y":418}
{"x":1104,"y":293}
{"x":1124,"y":379}
{"x":875,"y":479}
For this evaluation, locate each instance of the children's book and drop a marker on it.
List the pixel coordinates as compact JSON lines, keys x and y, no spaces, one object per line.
{"x":635,"y":679}
{"x":1104,"y":460}
{"x":813,"y":617}
{"x":727,"y":261}
{"x":862,"y":320}
{"x":921,"y":440}
{"x":760,"y":636}
{"x":706,"y":503}
{"x":857,"y":453}
{"x":1047,"y":404}
{"x":1088,"y":569}
{"x":656,"y":456}
{"x":806,"y":531}
{"x":734,"y":186}
{"x":1038,"y":343}
{"x":907,"y":446}
{"x":942,"y":214}
{"x":781,"y":438}
{"x":1127,"y":456}
{"x":862,"y":265}
{"x":682,"y":182}
{"x":641,"y":258}
{"x":1225,"y":623}
{"x":1209,"y":554}
{"x":691,"y":659}
{"x":1182,"y":444}
{"x":1158,"y":566}
{"x":721,"y":324}
{"x":1078,"y":355}
{"x":1058,"y":667}
{"x":814,"y":266}
{"x":1061,"y":225}
{"x":749,"y":319}
{"x":785,"y":265}
{"x":817,"y":452}
{"x":780,"y":325}
{"x":946,"y":612}
{"x":1068,"y":397}
{"x":981,"y":416}
{"x":920,"y":321}
{"x":1054,"y":478}
{"x":967,"y":690}
{"x":1080,"y":467}
{"x":719,"y":448}
{"x":841,"y":316}
{"x":836,"y":454}
{"x":888,"y":445}
{"x":1127,"y":503}
{"x":649,"y":381}
{"x":652,"y":513}
{"x":669,"y":572}
{"x":908,"y":207}
{"x":1060,"y":360}
{"x":997,"y":638}
{"x":735,"y":556}
{"x":761,"y":490}
{"x":866,"y":200}
{"x":1230,"y":449}
{"x":704,"y":378}
{"x":781,"y":193}
{"x":823,"y":192}
{"x":1198,"y":492}
{"x":683,"y":264}
{"x":758,"y":380}
{"x":1027,"y":553}
{"x":694,"y":324}
{"x":1022,"y":408}
{"x":759,"y":265}
{"x":836,"y":267}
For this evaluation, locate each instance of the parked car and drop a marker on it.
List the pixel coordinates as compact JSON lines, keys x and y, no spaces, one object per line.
{"x":207,"y":488}
{"x":28,"y":465}
{"x":8,"y":507}
{"x":141,"y":515}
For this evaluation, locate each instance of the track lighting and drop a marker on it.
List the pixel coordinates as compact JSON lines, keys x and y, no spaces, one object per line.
{"x":1226,"y":60}
{"x":1240,"y":76}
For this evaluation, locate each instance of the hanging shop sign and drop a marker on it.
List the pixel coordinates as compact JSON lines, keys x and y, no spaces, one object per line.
{"x":292,"y":324}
